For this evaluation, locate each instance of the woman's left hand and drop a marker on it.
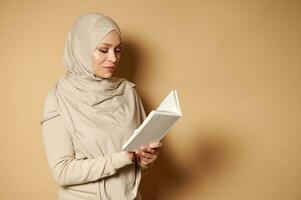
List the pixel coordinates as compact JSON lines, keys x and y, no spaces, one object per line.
{"x":147,"y":155}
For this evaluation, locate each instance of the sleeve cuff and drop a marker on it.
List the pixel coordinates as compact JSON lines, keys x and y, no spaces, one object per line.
{"x":120,"y":160}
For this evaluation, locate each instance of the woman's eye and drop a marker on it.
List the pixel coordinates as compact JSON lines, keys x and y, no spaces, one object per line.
{"x":118,"y":50}
{"x":103,"y":50}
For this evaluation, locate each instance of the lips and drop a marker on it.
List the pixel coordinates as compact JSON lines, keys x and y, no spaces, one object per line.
{"x":109,"y":68}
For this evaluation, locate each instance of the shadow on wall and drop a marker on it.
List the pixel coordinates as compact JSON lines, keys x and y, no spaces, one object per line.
{"x":211,"y":155}
{"x":130,"y":61}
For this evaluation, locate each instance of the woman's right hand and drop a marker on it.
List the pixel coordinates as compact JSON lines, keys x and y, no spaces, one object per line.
{"x":147,"y":155}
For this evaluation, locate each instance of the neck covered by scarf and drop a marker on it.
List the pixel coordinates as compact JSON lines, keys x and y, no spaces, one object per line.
{"x":100,"y":114}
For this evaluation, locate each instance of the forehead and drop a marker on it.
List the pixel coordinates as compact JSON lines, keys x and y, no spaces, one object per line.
{"x":112,"y":38}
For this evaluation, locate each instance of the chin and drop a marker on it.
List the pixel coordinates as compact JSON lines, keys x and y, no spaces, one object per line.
{"x":105,"y":75}
{"x":108,"y":76}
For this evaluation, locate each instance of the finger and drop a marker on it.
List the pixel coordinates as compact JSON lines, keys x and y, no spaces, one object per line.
{"x":143,"y":148}
{"x":154,"y":151}
{"x":146,"y":161}
{"x":157,"y":144}
{"x":148,"y":155}
{"x":138,"y":152}
{"x":147,"y":150}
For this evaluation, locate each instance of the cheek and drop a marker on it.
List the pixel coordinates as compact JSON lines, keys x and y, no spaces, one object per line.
{"x":98,"y":58}
{"x":97,"y":61}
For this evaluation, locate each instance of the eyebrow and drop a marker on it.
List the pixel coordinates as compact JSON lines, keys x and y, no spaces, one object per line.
{"x":111,"y":44}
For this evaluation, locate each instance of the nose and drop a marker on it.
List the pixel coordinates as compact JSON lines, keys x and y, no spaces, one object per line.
{"x":112,"y":57}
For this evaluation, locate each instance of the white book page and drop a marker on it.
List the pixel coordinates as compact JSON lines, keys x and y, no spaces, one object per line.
{"x":156,"y":124}
{"x":170,"y":103}
{"x":156,"y":128}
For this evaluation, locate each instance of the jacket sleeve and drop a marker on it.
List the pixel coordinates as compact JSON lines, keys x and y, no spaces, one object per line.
{"x":65,"y":167}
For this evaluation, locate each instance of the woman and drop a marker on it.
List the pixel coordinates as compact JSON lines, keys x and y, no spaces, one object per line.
{"x":89,"y":114}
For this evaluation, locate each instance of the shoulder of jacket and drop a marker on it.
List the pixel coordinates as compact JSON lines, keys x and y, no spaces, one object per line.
{"x":50,"y":109}
{"x":133,"y":85}
{"x":50,"y":100}
{"x":126,"y":82}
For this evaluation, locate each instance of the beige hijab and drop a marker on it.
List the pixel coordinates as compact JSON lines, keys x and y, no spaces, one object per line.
{"x":100,"y":114}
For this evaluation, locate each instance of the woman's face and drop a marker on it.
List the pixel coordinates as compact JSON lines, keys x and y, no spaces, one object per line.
{"x":107,"y":55}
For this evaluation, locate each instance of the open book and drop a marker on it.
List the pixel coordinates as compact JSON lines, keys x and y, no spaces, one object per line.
{"x":156,"y":124}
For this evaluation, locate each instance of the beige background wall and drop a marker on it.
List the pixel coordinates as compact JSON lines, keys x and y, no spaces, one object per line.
{"x":235,"y":64}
